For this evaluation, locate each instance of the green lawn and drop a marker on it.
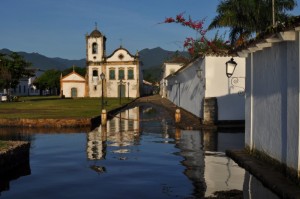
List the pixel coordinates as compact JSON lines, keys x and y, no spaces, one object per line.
{"x":55,"y":107}
{"x":3,"y":144}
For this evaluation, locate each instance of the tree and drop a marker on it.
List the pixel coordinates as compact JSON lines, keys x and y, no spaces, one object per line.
{"x":201,"y":45}
{"x":79,"y":70}
{"x":49,"y":80}
{"x":246,"y":17}
{"x":13,"y":67}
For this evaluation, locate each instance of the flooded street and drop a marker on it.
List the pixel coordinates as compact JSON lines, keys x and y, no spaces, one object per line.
{"x":139,"y":154}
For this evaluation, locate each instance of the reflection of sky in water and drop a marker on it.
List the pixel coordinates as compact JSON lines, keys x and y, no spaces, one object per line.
{"x":141,"y":154}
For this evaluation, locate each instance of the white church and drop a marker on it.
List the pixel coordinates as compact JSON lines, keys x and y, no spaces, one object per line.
{"x":119,"y":74}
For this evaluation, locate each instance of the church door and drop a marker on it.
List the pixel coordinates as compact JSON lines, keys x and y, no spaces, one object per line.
{"x":122,"y":91}
{"x":73,"y":92}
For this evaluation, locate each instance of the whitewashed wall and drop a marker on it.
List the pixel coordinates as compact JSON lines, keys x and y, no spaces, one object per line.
{"x":112,"y":85}
{"x":98,"y":56}
{"x":69,"y":85}
{"x":191,"y":88}
{"x":73,"y":80}
{"x":213,"y":83}
{"x":168,"y":68}
{"x":94,"y":81}
{"x":231,"y":105}
{"x":272,"y":102}
{"x":25,"y":87}
{"x":120,"y":58}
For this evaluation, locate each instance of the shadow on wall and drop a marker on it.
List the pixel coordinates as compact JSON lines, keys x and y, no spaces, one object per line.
{"x":231,"y":107}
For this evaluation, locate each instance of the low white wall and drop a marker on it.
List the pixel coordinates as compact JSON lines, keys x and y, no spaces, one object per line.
{"x":231,"y":104}
{"x":67,"y":86}
{"x":190,"y":90}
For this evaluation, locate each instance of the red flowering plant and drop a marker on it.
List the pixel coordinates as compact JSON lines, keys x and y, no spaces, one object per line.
{"x":201,"y":45}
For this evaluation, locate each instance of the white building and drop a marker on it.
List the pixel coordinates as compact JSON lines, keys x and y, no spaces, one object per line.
{"x":273,"y":96}
{"x":202,"y":88}
{"x":25,"y":87}
{"x":73,"y":85}
{"x":121,"y":69}
{"x":168,"y":68}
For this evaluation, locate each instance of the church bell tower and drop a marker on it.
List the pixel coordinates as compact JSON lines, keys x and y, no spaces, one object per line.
{"x":95,"y":46}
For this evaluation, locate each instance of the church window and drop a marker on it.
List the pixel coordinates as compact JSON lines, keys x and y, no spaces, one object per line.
{"x":95,"y":73}
{"x":121,"y":73}
{"x":121,"y":56}
{"x":130,"y":73}
{"x":112,"y":74}
{"x":24,"y":89}
{"x":95,"y":87}
{"x":19,"y":88}
{"x":94,"y":48}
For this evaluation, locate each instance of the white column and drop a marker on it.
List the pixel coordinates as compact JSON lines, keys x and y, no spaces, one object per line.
{"x":298,"y":106}
{"x":251,"y":104}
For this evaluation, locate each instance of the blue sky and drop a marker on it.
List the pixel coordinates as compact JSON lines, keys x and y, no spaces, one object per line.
{"x":57,"y":28}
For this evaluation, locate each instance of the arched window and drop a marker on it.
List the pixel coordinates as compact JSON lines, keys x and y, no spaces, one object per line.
{"x":94,"y":48}
{"x":95,"y":73}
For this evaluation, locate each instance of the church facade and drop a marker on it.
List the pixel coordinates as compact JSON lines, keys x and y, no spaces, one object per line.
{"x":118,"y":74}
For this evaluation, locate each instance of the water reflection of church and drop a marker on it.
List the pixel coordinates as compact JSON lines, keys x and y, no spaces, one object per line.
{"x":122,"y":130}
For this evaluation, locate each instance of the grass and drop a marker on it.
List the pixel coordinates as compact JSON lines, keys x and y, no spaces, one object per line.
{"x":3,"y":145}
{"x":45,"y":107}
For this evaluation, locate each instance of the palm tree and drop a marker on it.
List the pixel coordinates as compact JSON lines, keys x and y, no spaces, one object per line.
{"x":246,"y":17}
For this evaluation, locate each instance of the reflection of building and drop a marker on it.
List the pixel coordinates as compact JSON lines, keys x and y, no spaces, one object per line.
{"x":121,"y":131}
{"x":209,"y":170}
{"x":96,"y":144}
{"x":253,"y":188}
{"x":221,"y":173}
{"x":191,"y":149}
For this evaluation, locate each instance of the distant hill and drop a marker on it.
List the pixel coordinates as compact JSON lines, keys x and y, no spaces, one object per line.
{"x":45,"y":63}
{"x":154,"y":57}
{"x":152,"y":60}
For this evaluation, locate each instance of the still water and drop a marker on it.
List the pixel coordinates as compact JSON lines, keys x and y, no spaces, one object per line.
{"x":139,"y":154}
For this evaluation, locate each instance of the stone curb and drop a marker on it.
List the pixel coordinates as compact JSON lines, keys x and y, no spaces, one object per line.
{"x":14,"y":156}
{"x":266,"y":173}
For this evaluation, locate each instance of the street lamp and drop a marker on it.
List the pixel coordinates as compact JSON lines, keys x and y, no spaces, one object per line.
{"x":120,"y":89}
{"x":128,"y":89}
{"x":230,"y":67}
{"x":199,"y":72}
{"x":102,"y":76}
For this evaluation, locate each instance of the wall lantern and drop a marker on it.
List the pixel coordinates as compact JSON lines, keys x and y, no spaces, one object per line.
{"x":230,"y":67}
{"x":199,"y":73}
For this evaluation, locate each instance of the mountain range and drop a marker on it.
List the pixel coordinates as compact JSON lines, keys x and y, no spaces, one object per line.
{"x":151,"y":59}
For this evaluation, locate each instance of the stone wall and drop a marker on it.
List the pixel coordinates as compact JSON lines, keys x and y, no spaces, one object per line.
{"x":14,"y":160}
{"x":210,"y":115}
{"x":46,"y":122}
